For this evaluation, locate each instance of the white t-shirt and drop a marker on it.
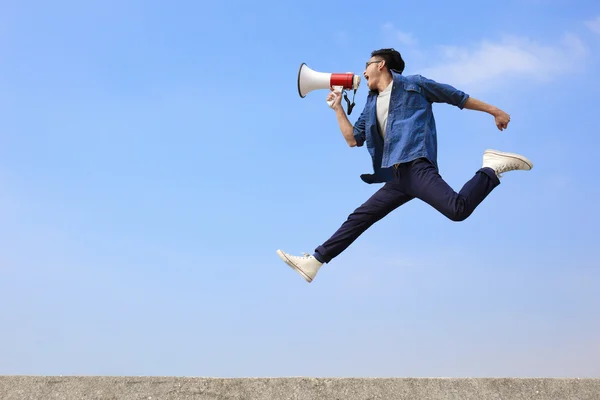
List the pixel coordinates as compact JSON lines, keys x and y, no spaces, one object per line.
{"x":383,"y":104}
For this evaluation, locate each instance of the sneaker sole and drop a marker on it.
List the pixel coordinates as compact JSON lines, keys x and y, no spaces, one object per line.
{"x":294,"y":267}
{"x":511,"y":155}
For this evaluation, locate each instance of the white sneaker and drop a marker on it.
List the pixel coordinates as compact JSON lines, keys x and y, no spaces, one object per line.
{"x":502,"y":162}
{"x":307,"y":265}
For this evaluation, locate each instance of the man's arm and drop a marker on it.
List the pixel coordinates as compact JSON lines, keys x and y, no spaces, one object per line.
{"x":436,"y":92}
{"x":502,"y":119}
{"x":444,"y":93}
{"x":345,"y":126}
{"x":348,"y":131}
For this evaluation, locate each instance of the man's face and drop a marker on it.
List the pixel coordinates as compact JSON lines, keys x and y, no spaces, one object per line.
{"x":373,"y":70}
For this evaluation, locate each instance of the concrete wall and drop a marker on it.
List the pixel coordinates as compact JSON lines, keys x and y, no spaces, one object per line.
{"x":155,"y":388}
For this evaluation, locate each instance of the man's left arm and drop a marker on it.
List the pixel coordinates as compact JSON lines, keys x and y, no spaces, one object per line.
{"x":436,"y":92}
{"x":501,"y":118}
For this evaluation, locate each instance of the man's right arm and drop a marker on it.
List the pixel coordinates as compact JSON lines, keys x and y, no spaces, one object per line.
{"x":349,"y":132}
{"x":345,"y":126}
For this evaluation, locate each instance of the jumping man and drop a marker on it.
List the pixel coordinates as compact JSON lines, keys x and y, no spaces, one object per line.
{"x":398,"y":126}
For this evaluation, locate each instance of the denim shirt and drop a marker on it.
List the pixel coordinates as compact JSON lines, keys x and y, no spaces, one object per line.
{"x":410,"y":129}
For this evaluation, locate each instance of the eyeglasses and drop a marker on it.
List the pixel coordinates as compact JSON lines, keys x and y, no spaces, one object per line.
{"x":372,"y":62}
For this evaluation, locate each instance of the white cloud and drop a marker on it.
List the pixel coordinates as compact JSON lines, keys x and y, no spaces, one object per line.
{"x":394,"y":35}
{"x":594,"y":25}
{"x":405,"y":42}
{"x":490,"y":63}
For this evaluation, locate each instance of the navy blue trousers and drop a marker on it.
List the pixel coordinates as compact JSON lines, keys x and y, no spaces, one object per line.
{"x":418,"y":179}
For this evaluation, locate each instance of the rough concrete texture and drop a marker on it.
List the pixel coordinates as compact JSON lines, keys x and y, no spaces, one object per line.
{"x":179,"y":388}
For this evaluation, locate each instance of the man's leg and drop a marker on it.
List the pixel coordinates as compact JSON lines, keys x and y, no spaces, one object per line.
{"x":381,"y":203}
{"x":384,"y":201}
{"x":426,"y":183}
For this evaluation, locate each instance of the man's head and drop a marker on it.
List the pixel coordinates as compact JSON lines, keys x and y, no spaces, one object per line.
{"x":380,"y":64}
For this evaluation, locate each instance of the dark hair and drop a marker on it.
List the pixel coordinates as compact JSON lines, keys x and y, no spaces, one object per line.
{"x":393,"y":59}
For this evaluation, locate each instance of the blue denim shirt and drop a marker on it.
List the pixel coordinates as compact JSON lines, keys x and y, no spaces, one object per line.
{"x":410,"y":129}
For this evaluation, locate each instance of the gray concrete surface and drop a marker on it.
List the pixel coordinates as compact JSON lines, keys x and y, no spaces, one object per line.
{"x":180,"y":388}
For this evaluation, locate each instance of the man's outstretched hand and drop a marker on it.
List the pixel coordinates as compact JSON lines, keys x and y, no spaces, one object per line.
{"x":502,"y":119}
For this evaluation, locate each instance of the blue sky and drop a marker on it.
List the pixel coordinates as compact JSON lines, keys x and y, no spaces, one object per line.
{"x":153,"y":157}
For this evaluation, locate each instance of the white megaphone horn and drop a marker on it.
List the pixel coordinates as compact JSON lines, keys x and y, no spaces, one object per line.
{"x":309,"y":80}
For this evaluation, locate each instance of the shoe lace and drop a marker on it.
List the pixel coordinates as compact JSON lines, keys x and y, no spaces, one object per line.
{"x":506,"y":167}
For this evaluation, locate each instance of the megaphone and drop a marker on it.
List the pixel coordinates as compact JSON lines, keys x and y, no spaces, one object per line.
{"x":309,"y":80}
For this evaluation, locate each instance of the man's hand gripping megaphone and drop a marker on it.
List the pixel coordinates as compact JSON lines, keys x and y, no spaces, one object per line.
{"x":334,"y":98}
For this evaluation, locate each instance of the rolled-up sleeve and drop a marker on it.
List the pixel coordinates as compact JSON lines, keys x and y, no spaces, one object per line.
{"x":436,"y":92}
{"x":359,"y":130}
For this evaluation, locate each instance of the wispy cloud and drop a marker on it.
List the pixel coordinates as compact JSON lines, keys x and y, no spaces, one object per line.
{"x":398,"y":36}
{"x":594,"y":25}
{"x":405,"y":42}
{"x":490,"y":63}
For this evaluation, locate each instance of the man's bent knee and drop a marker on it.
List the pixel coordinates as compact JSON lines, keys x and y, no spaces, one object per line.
{"x":457,"y":215}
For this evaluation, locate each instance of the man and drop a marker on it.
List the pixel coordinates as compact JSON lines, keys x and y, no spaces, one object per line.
{"x":398,"y":127}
